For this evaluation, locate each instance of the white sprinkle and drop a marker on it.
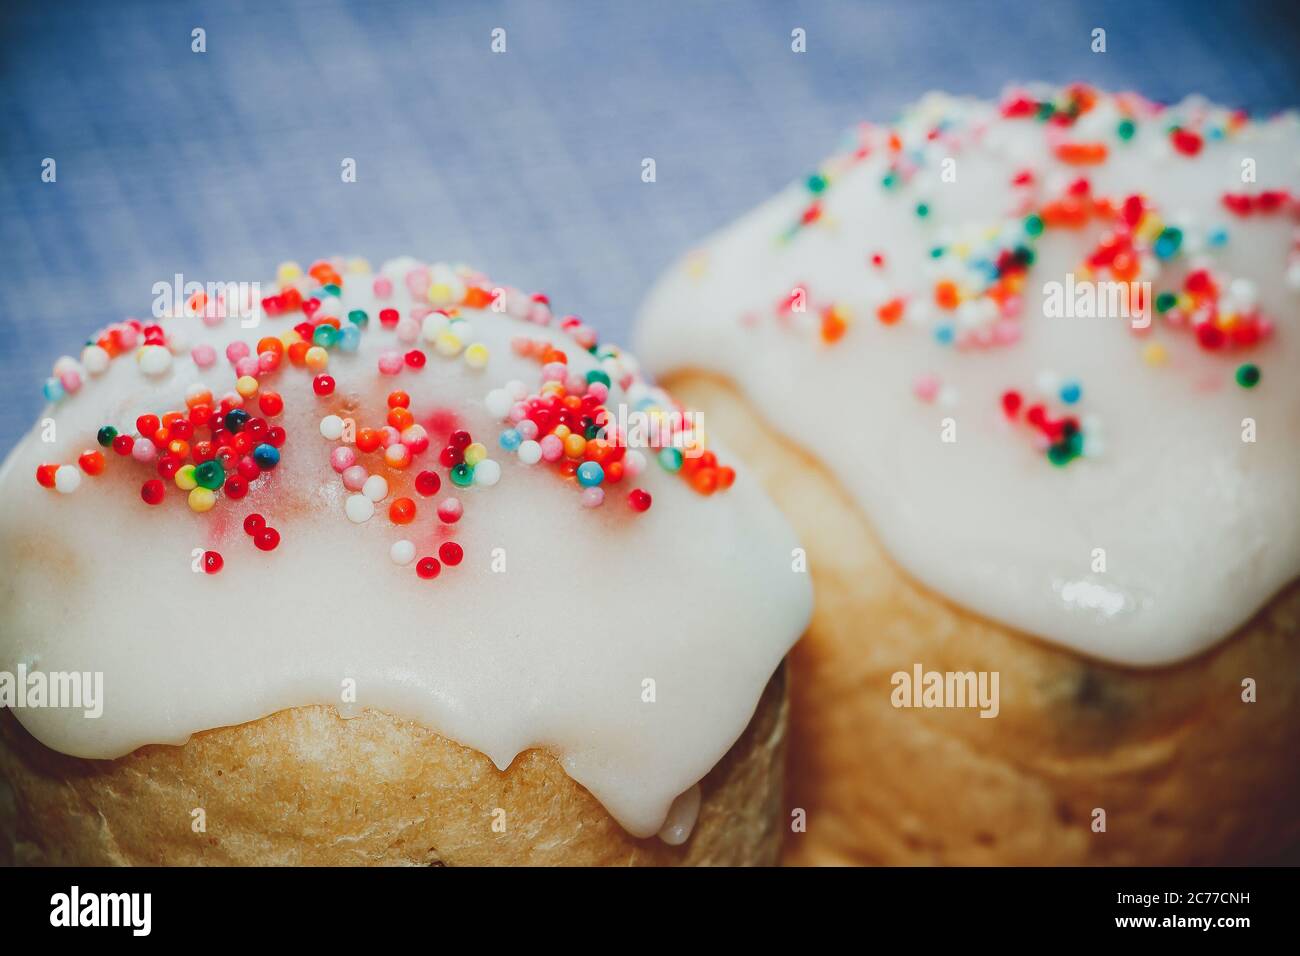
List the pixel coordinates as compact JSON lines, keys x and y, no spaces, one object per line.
{"x":375,"y":488}
{"x":155,"y":360}
{"x":331,"y":427}
{"x":402,"y":552}
{"x":67,"y":479}
{"x":487,"y":472}
{"x":95,"y":359}
{"x":359,"y":508}
{"x":530,"y":452}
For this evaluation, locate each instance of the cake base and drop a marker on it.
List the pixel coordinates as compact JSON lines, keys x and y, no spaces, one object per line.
{"x":1185,"y":771}
{"x":306,"y":787}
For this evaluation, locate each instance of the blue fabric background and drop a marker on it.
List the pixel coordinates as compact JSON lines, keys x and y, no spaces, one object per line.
{"x":526,"y":164}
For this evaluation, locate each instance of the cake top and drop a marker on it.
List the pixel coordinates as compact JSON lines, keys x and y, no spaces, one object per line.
{"x":1046,"y":342}
{"x":413,"y":490}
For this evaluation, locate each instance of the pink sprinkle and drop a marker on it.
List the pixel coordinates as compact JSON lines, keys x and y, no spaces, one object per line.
{"x":418,"y":282}
{"x":450,"y":510}
{"x":390,"y":363}
{"x":599,"y":391}
{"x":129,"y":336}
{"x":415,"y":438}
{"x":354,"y":477}
{"x":70,"y":380}
{"x":144,"y":450}
{"x":575,"y":384}
{"x":204,"y":356}
{"x":408,"y":331}
{"x":383,"y":287}
{"x":926,"y":387}
{"x":593,"y":497}
{"x":552,"y":448}
{"x":342,"y":458}
{"x":527,"y":429}
{"x":554,"y":372}
{"x":518,"y":412}
{"x":235,"y":351}
{"x":391,"y":436}
{"x":1006,"y":331}
{"x":268,"y":362}
{"x":248,"y":365}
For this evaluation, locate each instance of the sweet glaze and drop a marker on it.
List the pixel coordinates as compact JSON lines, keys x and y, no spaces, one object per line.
{"x":1198,"y":528}
{"x":544,"y":635}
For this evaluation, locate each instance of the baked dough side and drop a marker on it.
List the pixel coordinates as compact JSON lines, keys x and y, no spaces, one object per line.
{"x":1186,"y":772}
{"x":306,"y":787}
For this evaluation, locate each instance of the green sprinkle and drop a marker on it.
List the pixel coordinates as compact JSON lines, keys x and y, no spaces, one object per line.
{"x":1046,"y":111}
{"x":1126,"y":129}
{"x":210,"y":474}
{"x":1248,"y":375}
{"x":1060,"y":454}
{"x":1165,"y":301}
{"x":816,"y":183}
{"x":671,"y":459}
{"x":937,"y":252}
{"x":106,"y":435}
{"x":596,"y":375}
{"x":325,"y":336}
{"x":922,"y":210}
{"x":1034,"y":225}
{"x":462,"y":475}
{"x":358,"y":317}
{"x":890,"y":180}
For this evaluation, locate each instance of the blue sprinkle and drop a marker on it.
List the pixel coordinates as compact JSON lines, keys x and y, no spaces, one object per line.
{"x":590,"y":474}
{"x":510,"y":439}
{"x":1070,"y":392}
{"x":349,"y":338}
{"x":1217,"y":238}
{"x":944,"y":334}
{"x":53,"y":390}
{"x":266,"y":456}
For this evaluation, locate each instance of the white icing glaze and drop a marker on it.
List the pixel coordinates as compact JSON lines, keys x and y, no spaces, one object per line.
{"x":1199,"y":528}
{"x":697,"y":594}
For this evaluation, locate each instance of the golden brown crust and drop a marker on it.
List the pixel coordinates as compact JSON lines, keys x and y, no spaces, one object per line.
{"x":306,"y":787}
{"x":1186,"y":771}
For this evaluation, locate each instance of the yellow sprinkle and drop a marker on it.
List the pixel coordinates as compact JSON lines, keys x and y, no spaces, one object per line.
{"x":359,"y":265}
{"x":440,"y":292}
{"x":561,"y":432}
{"x":575,"y":445}
{"x":288,"y":272}
{"x":202,"y":499}
{"x":448,"y":343}
{"x":1153,"y":353}
{"x":289,"y":337}
{"x":476,"y":356}
{"x":246,"y":386}
{"x":475,"y":453}
{"x":185,"y":479}
{"x":316,"y":358}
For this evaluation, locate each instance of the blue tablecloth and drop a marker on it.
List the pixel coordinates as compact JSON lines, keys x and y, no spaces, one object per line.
{"x":527,"y":163}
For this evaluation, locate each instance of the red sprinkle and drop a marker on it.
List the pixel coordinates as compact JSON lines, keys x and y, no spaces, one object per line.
{"x":451,"y":553}
{"x":212,"y":562}
{"x":254,"y":523}
{"x":427,"y":483}
{"x":152,"y":491}
{"x":428,"y":568}
{"x":323,"y":384}
{"x":639,"y":499}
{"x":267,"y":539}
